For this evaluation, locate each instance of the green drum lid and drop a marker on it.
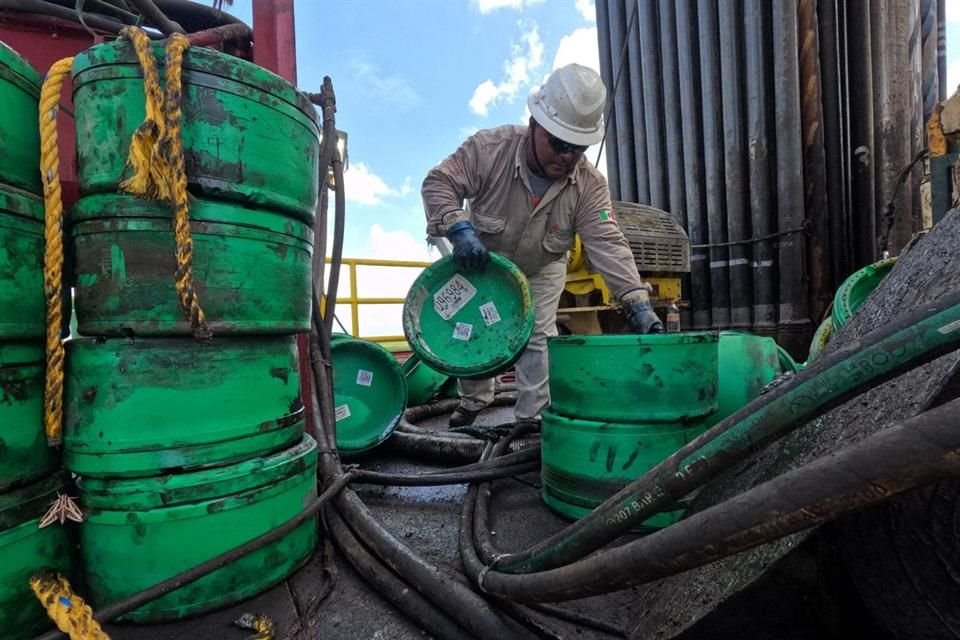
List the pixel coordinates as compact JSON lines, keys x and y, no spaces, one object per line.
{"x":248,"y":134}
{"x":143,"y":494}
{"x":24,"y":454}
{"x":22,"y":310}
{"x":252,"y":272}
{"x":634,"y":378}
{"x":146,"y":407}
{"x":856,"y":288}
{"x":422,"y":382}
{"x":469,"y":324}
{"x":126,"y":550}
{"x":584,"y":462}
{"x":19,"y":131}
{"x":370,"y":393}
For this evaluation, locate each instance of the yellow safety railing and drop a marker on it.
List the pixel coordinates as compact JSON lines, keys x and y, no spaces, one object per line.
{"x":354,"y":300}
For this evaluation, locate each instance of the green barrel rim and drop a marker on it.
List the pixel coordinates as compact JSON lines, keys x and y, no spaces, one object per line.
{"x":820,"y":339}
{"x":370,"y":393}
{"x":422,"y":382}
{"x":746,"y":364}
{"x":470,"y":324}
{"x":857,"y":288}
{"x":13,"y":63}
{"x":634,"y":378}
{"x":30,"y":501}
{"x":19,"y":129}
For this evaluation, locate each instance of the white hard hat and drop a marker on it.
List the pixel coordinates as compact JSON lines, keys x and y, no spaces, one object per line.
{"x":570,"y":105}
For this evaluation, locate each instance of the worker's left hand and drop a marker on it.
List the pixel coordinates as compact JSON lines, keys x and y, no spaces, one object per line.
{"x":640,"y":315}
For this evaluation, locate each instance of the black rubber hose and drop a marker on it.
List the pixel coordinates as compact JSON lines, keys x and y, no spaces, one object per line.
{"x":195,"y":16}
{"x":339,"y":218}
{"x":907,"y":342}
{"x":156,"y":17}
{"x":447,"y":449}
{"x":911,"y":454}
{"x":42,"y":7}
{"x":444,"y":406}
{"x":438,"y":479}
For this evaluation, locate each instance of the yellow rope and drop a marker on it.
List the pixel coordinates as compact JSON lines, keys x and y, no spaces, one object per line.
{"x":68,"y":611}
{"x":259,"y":623}
{"x":156,"y":156}
{"x":53,"y":252}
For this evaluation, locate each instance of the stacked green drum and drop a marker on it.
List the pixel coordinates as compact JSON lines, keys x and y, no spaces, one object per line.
{"x":621,"y":404}
{"x":185,"y":449}
{"x":28,"y":484}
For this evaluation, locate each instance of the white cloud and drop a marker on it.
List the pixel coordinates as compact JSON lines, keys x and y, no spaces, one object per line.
{"x":953,"y":11}
{"x":363,"y":186}
{"x":519,"y":70}
{"x":581,"y":47}
{"x":466,"y":132}
{"x":587,"y":9}
{"x":388,"y":89}
{"x":953,"y":77}
{"x":486,"y":6}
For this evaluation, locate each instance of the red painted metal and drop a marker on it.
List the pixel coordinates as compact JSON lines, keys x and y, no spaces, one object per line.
{"x":275,"y":46}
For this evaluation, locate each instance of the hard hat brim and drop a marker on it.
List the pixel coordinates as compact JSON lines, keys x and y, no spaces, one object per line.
{"x":573,"y":136}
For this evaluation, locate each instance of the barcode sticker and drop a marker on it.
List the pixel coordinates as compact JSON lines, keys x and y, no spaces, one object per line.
{"x":341,"y":412}
{"x":364,"y":378}
{"x":453,"y":296}
{"x":462,"y":331}
{"x":490,"y":314}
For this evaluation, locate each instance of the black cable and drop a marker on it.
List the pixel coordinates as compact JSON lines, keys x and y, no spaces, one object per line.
{"x":439,"y":479}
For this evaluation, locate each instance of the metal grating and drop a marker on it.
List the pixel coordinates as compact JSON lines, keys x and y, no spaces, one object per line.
{"x":658,"y":242}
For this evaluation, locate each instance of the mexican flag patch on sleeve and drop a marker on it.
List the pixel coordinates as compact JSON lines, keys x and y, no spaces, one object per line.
{"x":607,"y":215}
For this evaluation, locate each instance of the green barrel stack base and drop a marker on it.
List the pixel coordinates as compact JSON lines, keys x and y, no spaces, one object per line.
{"x":469,"y":324}
{"x":139,"y":407}
{"x":139,"y":532}
{"x":370,"y":393}
{"x":747,"y":363}
{"x":22,"y":310}
{"x":24,"y":549}
{"x":634,"y":378}
{"x":423,"y":382}
{"x":19,"y":128}
{"x":248,"y":134}
{"x":24,"y":455}
{"x":584,"y":462}
{"x":251,"y":267}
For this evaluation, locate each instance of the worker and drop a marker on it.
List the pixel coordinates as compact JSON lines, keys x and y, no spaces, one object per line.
{"x":524,"y":192}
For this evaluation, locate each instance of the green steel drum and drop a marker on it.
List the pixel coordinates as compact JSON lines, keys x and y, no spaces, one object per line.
{"x":19,"y":129}
{"x":369,"y":393}
{"x":469,"y":324}
{"x":856,"y":288}
{"x":634,"y":378}
{"x":584,"y":462}
{"x":248,"y":134}
{"x":24,"y":454}
{"x":251,"y":268}
{"x":22,"y":311}
{"x":141,"y":531}
{"x":24,"y":549}
{"x":147,"y":407}
{"x":747,"y":363}
{"x":423,"y":382}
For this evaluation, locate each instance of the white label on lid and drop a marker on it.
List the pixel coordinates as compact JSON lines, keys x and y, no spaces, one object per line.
{"x":490,"y":314}
{"x":364,"y":378}
{"x":462,"y":331}
{"x":341,"y":412}
{"x":453,"y":296}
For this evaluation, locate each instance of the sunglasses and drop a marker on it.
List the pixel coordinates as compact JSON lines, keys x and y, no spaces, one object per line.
{"x":562,"y":147}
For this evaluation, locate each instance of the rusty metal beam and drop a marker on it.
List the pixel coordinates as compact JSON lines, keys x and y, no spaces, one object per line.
{"x":275,"y":46}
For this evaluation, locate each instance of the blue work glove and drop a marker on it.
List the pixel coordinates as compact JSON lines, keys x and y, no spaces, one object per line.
{"x":468,"y":252}
{"x":640,"y":315}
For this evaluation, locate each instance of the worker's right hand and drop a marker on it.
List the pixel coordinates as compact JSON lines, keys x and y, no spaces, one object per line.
{"x":640,"y":314}
{"x":468,"y":251}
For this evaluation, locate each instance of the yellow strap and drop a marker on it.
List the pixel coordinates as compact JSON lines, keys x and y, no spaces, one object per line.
{"x":53,"y":251}
{"x":68,"y":611}
{"x":156,"y":156}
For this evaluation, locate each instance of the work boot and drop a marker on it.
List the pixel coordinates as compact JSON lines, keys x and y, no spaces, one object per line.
{"x":462,"y":417}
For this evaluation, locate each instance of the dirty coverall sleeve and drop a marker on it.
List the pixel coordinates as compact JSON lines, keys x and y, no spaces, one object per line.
{"x":606,"y":246}
{"x":458,"y":177}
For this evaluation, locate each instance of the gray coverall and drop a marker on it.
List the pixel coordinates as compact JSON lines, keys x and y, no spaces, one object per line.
{"x":535,"y":233}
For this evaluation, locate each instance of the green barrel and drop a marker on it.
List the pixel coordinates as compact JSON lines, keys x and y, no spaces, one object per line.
{"x":24,"y":549}
{"x":19,"y":128}
{"x":248,"y":134}
{"x":24,"y":454}
{"x":422,"y":382}
{"x":252,"y":268}
{"x":470,"y":324}
{"x":139,"y":532}
{"x":585,"y":462}
{"x":369,"y":393}
{"x":146,"y":407}
{"x":746,"y":364}
{"x":22,"y":311}
{"x":634,"y":378}
{"x":856,"y":288}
